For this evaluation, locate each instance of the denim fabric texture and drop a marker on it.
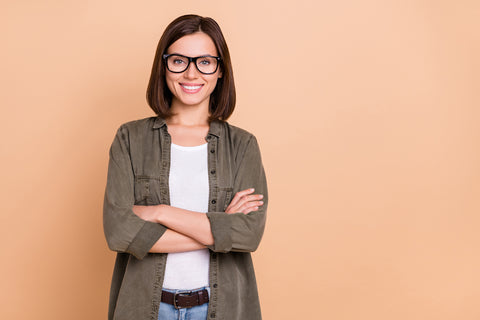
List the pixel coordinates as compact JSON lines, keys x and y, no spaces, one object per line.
{"x":138,"y":173}
{"x":168,"y":312}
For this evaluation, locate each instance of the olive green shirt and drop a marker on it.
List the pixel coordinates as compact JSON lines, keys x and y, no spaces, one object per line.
{"x":138,"y":174}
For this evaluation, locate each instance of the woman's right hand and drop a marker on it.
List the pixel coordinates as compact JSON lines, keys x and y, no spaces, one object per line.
{"x":245,"y":202}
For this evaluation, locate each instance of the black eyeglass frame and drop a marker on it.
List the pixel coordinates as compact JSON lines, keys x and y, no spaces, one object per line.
{"x":190,"y":59}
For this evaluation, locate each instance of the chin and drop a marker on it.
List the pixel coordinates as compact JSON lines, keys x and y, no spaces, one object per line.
{"x":192,"y":102}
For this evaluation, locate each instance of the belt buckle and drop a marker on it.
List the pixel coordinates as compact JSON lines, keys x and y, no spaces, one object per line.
{"x":187,"y":293}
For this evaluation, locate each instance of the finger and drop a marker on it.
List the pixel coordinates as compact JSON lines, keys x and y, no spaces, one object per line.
{"x":239,"y":195}
{"x":246,"y":199}
{"x":234,"y":208}
{"x":254,"y":197}
{"x":247,"y":211}
{"x":252,"y":204}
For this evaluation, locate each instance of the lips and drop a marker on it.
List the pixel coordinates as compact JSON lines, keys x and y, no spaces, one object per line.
{"x":191,"y":87}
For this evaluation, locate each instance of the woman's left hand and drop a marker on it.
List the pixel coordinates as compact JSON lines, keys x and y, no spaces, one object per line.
{"x":245,"y":202}
{"x":148,"y":213}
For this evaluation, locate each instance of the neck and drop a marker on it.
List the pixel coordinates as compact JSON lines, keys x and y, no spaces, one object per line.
{"x":189,"y":115}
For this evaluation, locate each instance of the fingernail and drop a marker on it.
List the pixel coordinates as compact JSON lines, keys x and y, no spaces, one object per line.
{"x":261,"y":196}
{"x":261,"y":202}
{"x":251,"y":189}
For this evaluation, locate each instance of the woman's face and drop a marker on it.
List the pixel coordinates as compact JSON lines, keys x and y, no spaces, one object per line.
{"x":191,"y":87}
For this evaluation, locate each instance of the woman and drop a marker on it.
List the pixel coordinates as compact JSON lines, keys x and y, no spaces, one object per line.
{"x":186,"y":194}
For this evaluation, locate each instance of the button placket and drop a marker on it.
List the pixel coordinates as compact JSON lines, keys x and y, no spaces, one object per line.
{"x":165,"y":162}
{"x":212,"y":206}
{"x":212,"y":163}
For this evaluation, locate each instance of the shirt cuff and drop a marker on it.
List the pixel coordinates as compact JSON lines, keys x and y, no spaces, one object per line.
{"x":145,"y":239}
{"x":220,"y":224}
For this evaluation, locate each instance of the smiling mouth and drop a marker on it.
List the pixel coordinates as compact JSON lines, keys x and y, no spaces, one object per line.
{"x":191,"y":88}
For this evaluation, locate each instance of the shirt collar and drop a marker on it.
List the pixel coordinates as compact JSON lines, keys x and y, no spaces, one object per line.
{"x":215,"y":126}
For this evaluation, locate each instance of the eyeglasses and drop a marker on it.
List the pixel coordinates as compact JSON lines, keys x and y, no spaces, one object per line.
{"x":177,"y":63}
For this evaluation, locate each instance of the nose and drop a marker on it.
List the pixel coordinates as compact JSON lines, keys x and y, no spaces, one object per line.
{"x":191,"y":72}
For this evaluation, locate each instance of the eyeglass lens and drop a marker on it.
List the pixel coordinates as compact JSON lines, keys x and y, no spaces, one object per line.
{"x":177,"y":63}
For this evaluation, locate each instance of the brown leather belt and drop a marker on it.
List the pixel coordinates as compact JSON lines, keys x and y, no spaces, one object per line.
{"x":185,"y":299}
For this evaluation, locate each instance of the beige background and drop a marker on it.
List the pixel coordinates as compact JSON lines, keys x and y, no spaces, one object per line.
{"x":367,"y":114}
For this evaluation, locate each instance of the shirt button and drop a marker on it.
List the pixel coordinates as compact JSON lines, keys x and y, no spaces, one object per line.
{"x":212,"y":315}
{"x":214,"y":201}
{"x":212,"y":151}
{"x":215,"y":285}
{"x":212,"y":172}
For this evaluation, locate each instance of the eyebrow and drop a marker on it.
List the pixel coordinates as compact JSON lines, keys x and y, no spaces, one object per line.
{"x":202,"y":55}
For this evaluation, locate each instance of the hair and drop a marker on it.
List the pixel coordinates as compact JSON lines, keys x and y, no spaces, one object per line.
{"x":222,"y":99}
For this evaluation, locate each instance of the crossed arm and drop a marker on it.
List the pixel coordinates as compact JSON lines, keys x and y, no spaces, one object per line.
{"x":138,"y":230}
{"x":190,"y":230}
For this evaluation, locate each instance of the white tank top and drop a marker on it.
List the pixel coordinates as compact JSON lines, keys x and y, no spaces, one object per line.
{"x":188,"y":183}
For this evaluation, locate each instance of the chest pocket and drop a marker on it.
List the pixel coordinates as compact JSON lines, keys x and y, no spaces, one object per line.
{"x":149,"y":191}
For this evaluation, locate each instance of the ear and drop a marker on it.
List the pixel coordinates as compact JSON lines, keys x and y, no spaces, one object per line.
{"x":220,"y":74}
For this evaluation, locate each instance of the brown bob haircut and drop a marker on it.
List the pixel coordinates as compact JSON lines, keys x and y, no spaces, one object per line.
{"x":222,"y":99}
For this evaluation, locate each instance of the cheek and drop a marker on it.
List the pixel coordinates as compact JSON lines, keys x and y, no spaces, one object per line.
{"x":213,"y":83}
{"x":170,"y":83}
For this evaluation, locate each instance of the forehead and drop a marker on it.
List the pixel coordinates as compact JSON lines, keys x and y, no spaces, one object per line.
{"x":193,"y":45}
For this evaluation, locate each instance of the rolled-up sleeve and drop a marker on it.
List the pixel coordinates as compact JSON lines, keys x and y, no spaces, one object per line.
{"x":242,"y":232}
{"x":124,"y":230}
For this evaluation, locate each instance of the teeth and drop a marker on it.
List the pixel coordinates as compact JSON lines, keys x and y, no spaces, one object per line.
{"x":191,"y":87}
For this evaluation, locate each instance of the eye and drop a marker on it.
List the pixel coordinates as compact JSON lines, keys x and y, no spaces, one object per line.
{"x":204,"y":61}
{"x":178,"y":61}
